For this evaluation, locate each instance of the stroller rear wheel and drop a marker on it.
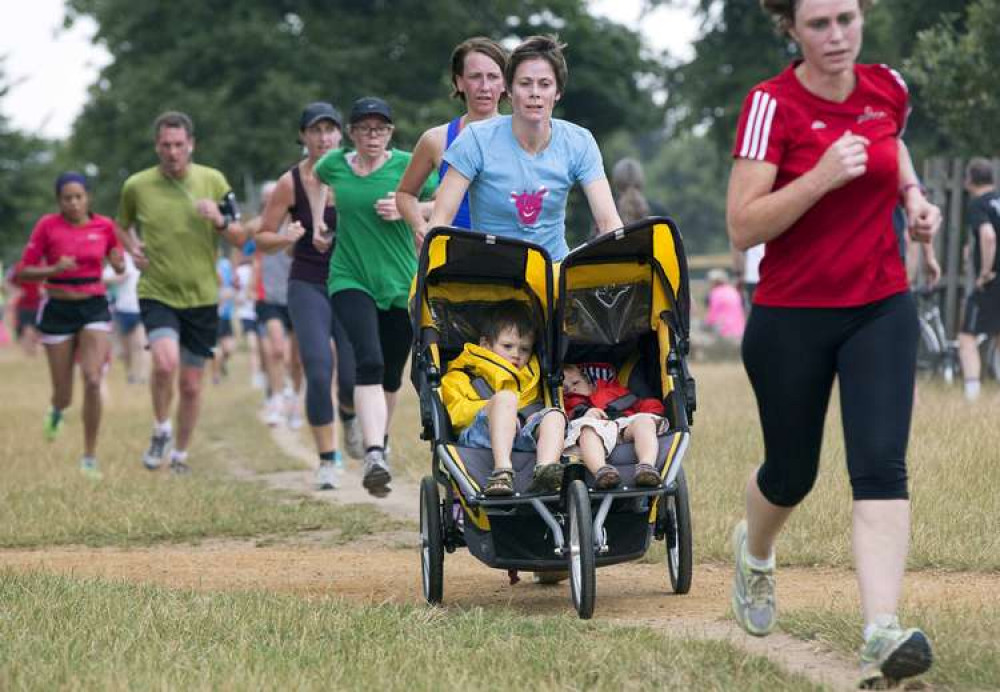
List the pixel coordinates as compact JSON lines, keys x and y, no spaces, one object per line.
{"x":431,"y":541}
{"x":675,"y":515}
{"x":582,"y":568}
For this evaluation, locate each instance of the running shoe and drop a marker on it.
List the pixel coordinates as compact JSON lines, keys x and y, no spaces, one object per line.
{"x":158,"y":444}
{"x":275,"y":414}
{"x":376,"y":476}
{"x":354,"y":445}
{"x":88,"y":467}
{"x":892,"y":654}
{"x":754,"y":603}
{"x":295,"y":421}
{"x":179,"y":467}
{"x":53,"y":424}
{"x":326,"y":476}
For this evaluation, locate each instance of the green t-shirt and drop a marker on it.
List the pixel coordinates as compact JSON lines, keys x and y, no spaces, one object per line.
{"x":371,"y":255}
{"x":179,"y":244}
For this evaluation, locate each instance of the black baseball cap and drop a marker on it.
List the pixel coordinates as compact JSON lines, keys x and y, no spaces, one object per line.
{"x":370,"y":105}
{"x":319,"y":110}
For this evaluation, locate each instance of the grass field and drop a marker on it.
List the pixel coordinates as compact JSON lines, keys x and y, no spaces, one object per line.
{"x":63,"y":632}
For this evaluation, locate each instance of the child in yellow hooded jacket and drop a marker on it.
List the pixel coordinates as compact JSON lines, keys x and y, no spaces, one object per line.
{"x":493,"y":394}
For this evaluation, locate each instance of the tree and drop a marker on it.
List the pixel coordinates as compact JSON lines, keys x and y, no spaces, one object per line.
{"x":955,"y":64}
{"x":244,"y":70}
{"x":27,"y":170}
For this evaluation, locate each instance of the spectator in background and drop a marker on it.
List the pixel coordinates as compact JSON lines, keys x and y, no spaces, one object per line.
{"x":24,"y":304}
{"x":627,"y":183}
{"x":128,"y":320}
{"x":746,"y":266}
{"x":725,"y":307}
{"x":982,"y":307}
{"x":227,"y":302}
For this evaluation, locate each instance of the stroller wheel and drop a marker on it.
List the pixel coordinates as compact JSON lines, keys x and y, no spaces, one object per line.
{"x":675,"y":514}
{"x":582,"y":568}
{"x":431,"y":541}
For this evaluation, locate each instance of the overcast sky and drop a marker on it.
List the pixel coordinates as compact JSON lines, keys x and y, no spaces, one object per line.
{"x":50,"y":68}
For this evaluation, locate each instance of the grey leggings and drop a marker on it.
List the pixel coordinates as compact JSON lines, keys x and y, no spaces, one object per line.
{"x":314,"y":324}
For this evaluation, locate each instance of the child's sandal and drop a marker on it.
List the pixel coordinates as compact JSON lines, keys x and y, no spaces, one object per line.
{"x":646,"y":476}
{"x":607,"y":477}
{"x":500,"y":483}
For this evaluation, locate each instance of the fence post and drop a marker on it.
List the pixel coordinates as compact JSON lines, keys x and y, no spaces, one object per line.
{"x":953,"y":276}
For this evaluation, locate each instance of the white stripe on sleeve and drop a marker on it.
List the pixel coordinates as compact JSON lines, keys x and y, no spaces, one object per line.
{"x":766,"y":133}
{"x":758,"y":124}
{"x":748,"y":131}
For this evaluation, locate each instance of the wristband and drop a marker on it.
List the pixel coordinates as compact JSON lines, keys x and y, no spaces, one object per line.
{"x":225,"y":224}
{"x":906,"y":188}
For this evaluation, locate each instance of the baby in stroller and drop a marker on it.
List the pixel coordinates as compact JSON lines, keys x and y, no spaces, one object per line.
{"x":602,"y":412}
{"x":493,"y":394}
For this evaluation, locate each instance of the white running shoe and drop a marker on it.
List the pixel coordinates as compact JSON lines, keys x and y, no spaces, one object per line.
{"x":326,"y":476}
{"x":274,"y":416}
{"x":376,"y":476}
{"x":158,"y":444}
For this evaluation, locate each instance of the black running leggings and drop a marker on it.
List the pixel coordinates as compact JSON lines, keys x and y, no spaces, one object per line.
{"x":314,"y":324}
{"x":792,"y":356}
{"x":381,"y":338}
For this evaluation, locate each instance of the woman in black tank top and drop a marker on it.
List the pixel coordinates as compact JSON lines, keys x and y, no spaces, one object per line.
{"x":308,"y":303}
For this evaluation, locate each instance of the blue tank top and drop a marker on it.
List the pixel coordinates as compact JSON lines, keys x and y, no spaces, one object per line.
{"x":462,"y":218}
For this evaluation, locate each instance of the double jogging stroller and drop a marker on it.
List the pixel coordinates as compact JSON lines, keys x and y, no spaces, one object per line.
{"x":622,"y":301}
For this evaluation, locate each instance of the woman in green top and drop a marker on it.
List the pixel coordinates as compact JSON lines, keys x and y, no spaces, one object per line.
{"x":371,"y":270}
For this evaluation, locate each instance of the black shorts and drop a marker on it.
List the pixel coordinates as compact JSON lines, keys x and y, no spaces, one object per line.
{"x":982,"y":310}
{"x":196,"y":328}
{"x":225,"y":329}
{"x":61,"y":317}
{"x":272,"y":311}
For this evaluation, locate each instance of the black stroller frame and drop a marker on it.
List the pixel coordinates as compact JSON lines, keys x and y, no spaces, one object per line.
{"x":579,"y":528}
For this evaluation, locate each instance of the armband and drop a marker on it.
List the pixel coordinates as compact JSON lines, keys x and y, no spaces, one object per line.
{"x":229,"y":209}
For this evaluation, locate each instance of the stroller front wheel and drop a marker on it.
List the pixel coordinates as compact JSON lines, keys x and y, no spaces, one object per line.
{"x":582,"y":567}
{"x":431,"y":541}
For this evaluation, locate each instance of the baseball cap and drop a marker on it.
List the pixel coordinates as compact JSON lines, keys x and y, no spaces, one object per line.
{"x":370,"y":105}
{"x":319,"y":110}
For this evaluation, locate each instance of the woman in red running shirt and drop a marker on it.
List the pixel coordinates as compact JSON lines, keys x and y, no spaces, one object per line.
{"x":819,"y":165}
{"x":67,"y":251}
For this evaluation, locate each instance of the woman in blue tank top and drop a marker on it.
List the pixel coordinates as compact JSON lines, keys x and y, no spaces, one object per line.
{"x":477,"y":67}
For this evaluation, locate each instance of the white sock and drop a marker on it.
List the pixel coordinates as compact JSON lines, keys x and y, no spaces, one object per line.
{"x":164,"y":427}
{"x":881,"y":620}
{"x":972,"y":389}
{"x":178,"y":455}
{"x":758,"y":564}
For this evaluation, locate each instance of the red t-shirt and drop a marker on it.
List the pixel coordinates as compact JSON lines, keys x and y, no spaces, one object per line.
{"x":54,"y":237}
{"x":842,"y":252}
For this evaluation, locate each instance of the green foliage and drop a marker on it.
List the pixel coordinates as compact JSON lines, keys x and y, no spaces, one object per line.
{"x":956,"y":64}
{"x":244,"y":70}
{"x":27,"y":169}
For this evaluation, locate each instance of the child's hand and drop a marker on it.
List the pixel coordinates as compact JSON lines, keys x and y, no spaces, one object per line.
{"x":596,"y":413}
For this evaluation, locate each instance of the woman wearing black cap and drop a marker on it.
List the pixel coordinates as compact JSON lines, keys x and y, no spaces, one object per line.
{"x":371,"y":271}
{"x":67,"y":251}
{"x":308,"y":303}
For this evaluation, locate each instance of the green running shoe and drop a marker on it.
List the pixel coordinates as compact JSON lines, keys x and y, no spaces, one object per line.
{"x":892,"y":654}
{"x":53,"y":424}
{"x":754,"y":603}
{"x":88,"y":467}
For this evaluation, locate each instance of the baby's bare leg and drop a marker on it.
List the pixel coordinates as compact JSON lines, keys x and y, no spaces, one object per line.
{"x":642,"y":432}
{"x":501,"y":411}
{"x":592,"y":449}
{"x":551,"y":435}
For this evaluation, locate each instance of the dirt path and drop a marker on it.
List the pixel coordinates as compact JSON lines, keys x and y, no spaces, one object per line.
{"x":381,"y":570}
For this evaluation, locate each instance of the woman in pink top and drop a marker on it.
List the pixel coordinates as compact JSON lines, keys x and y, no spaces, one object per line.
{"x":725,"y":306}
{"x":67,"y":251}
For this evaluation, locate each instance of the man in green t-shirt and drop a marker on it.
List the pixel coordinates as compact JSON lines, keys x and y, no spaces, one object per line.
{"x":171,"y":217}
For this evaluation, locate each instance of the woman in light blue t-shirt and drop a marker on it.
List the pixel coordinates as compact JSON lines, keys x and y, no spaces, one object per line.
{"x":519,"y":169}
